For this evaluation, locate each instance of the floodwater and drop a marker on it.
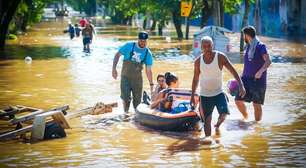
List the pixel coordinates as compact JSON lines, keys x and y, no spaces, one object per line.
{"x":61,"y":73}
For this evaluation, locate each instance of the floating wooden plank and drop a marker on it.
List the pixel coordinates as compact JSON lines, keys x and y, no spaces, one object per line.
{"x":13,"y":134}
{"x":33,"y":114}
{"x":8,"y":112}
{"x":12,"y":110}
{"x":60,"y":118}
{"x":79,"y":113}
{"x":86,"y":111}
{"x":27,"y":108}
{"x":26,"y":117}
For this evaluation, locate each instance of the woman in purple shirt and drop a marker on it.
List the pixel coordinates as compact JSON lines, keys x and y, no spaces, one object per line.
{"x":254,"y":76}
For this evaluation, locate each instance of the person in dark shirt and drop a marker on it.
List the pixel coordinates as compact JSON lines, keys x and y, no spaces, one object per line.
{"x":71,"y":31}
{"x":254,"y":76}
{"x":77,"y":30}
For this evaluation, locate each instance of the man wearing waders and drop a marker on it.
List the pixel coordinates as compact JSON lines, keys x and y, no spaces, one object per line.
{"x":135,"y":54}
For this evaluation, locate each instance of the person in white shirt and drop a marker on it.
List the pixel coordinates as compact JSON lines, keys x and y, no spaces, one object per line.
{"x":208,"y":70}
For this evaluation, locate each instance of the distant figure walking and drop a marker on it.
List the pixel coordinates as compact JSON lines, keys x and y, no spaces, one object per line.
{"x":83,"y":22}
{"x":87,"y":34}
{"x":77,"y":30}
{"x":71,"y":31}
{"x":92,"y":28}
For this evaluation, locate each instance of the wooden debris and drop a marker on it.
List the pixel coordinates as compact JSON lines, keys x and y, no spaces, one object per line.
{"x":42,"y":117}
{"x":89,"y":110}
{"x":33,"y":114}
{"x":79,"y":113}
{"x":39,"y":124}
{"x":13,"y":134}
{"x":12,"y":110}
{"x":101,"y":108}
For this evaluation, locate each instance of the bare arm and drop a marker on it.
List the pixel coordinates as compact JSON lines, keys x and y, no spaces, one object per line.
{"x":155,"y":93}
{"x":159,"y":98}
{"x":195,"y":80}
{"x":149,"y":76}
{"x":265,"y":66}
{"x":228,"y":65}
{"x":93,"y":29}
{"x":115,"y":62}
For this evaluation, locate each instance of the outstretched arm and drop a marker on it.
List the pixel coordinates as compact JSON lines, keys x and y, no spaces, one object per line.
{"x":195,"y":80}
{"x":229,"y":66}
{"x":115,"y":62}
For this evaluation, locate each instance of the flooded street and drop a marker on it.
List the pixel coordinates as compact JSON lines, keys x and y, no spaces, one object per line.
{"x":61,"y":73}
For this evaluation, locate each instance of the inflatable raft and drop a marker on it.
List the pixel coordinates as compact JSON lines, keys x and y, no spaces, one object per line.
{"x":153,"y":118}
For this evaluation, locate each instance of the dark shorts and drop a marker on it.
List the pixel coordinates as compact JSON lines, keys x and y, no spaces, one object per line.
{"x":129,"y":86}
{"x":86,"y":40}
{"x":209,"y":103}
{"x":255,"y":91}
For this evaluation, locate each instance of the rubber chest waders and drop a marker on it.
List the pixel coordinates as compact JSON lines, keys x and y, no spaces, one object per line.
{"x":131,"y":80}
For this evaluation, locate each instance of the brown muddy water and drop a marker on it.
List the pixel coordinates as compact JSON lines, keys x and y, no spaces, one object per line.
{"x":61,"y":73}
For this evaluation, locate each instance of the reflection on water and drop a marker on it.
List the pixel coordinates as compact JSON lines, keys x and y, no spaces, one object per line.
{"x":81,"y":79}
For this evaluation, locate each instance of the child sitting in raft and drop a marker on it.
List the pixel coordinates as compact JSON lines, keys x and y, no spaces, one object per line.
{"x":172,"y":99}
{"x":161,"y":85}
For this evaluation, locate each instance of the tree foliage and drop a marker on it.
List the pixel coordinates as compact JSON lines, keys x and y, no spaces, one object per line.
{"x":87,"y":6}
{"x":122,"y":11}
{"x":232,"y":6}
{"x":28,"y":12}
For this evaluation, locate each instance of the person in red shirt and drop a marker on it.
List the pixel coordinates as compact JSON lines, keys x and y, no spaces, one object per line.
{"x":83,"y":22}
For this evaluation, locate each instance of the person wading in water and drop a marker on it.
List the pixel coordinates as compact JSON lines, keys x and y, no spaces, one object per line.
{"x":208,"y":70}
{"x":254,"y":76}
{"x":87,"y":34}
{"x":135,"y":54}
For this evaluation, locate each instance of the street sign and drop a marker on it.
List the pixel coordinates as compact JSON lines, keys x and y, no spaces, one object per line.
{"x":186,"y":8}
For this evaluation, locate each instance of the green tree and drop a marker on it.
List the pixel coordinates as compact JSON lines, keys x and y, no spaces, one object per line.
{"x":17,"y":15}
{"x":87,"y":6}
{"x":28,"y":13}
{"x":7,"y":11}
{"x":244,"y":21}
{"x":159,"y":13}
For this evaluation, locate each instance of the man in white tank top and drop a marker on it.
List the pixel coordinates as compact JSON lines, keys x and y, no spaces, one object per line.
{"x":208,"y":70}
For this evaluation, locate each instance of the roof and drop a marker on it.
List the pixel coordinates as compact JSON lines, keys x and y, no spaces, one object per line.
{"x":212,"y":31}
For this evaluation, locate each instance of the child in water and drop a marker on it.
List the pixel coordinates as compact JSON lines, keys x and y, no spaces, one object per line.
{"x":77,"y":30}
{"x":71,"y":31}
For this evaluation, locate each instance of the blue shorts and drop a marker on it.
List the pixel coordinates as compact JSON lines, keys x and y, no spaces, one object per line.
{"x":209,"y":103}
{"x":86,"y":40}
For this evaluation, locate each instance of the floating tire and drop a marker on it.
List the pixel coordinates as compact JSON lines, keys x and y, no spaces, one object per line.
{"x":54,"y":130}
